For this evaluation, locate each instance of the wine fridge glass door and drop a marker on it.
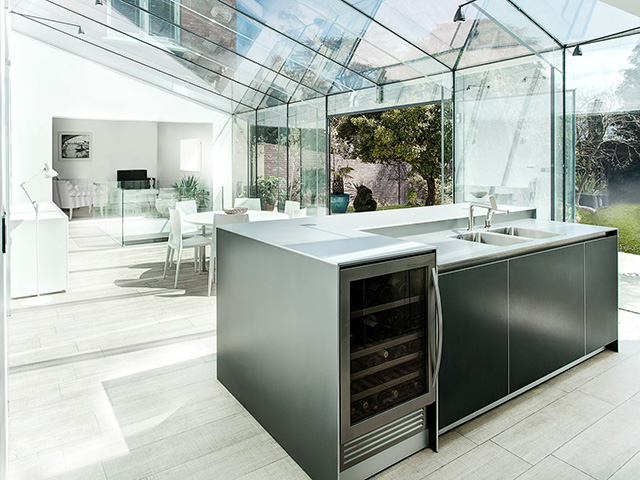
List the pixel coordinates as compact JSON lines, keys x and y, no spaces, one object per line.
{"x":385,"y":353}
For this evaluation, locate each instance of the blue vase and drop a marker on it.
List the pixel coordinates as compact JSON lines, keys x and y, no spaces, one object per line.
{"x":339,"y":202}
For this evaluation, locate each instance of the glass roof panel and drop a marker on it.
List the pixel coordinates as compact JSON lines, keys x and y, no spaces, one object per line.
{"x":254,"y":53}
{"x":298,"y":46}
{"x":500,"y":32}
{"x":428,"y":24}
{"x":575,"y":21}
{"x":344,"y":34}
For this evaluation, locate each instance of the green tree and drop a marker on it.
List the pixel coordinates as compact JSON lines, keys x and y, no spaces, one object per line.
{"x":407,"y":135}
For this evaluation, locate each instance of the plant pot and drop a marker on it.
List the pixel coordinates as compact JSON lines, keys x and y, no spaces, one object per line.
{"x":339,"y":202}
{"x":267,"y":207}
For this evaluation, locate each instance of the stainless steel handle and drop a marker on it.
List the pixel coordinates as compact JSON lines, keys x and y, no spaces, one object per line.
{"x":438,"y":356}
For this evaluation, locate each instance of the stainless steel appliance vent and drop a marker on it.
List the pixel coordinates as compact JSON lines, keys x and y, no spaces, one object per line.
{"x":375,"y":441}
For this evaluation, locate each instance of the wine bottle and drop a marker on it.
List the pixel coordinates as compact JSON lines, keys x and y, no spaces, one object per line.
{"x":370,"y":361}
{"x":400,"y":286}
{"x":409,"y":389}
{"x":387,"y":397}
{"x":398,"y":351}
{"x":381,"y":290}
{"x":373,"y":330}
{"x":394,"y":320}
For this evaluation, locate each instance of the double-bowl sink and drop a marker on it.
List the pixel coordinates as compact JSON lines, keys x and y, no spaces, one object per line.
{"x":504,"y":236}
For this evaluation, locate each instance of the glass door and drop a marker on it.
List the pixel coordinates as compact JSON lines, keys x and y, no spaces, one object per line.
{"x":388,"y":323}
{"x":387,"y":342}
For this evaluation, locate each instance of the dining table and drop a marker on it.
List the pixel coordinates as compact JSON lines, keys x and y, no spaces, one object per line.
{"x":205,"y":219}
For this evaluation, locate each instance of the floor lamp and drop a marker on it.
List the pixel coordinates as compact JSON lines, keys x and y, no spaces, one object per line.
{"x":48,"y":173}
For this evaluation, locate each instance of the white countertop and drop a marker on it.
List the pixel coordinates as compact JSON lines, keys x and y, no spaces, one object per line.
{"x":348,"y":238}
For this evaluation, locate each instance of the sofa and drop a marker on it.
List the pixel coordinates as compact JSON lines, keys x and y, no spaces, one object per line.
{"x":70,"y":194}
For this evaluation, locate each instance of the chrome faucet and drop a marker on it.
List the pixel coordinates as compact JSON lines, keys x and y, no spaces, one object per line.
{"x":491,"y":209}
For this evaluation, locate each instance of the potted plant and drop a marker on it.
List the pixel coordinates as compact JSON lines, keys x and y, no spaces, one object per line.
{"x":189,"y":189}
{"x":364,"y":201}
{"x":268,"y":188}
{"x":339,"y":199}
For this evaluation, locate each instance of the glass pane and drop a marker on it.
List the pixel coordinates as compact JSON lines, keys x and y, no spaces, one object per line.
{"x":388,"y":341}
{"x":578,"y":20}
{"x":307,"y":156}
{"x":243,"y":128}
{"x":163,"y":15}
{"x":500,"y":32}
{"x":271,"y":164}
{"x":603,"y":86}
{"x":427,"y":24}
{"x":127,"y":10}
{"x":423,"y":90}
{"x":503,"y":135}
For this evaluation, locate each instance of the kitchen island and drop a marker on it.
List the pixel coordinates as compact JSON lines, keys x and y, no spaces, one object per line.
{"x":519,"y":305}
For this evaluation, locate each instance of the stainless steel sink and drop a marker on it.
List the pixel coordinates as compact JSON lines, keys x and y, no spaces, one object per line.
{"x":490,"y":238}
{"x":523,"y":232}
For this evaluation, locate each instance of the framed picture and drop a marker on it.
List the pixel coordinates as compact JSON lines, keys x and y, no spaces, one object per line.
{"x":74,"y":145}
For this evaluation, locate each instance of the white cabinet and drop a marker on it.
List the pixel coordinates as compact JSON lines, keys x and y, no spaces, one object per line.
{"x":52,"y":249}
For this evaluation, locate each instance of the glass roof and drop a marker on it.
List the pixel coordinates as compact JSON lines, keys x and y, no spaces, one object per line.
{"x":578,"y":21}
{"x":240,"y":55}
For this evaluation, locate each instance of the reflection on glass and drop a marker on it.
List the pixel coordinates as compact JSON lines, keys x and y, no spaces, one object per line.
{"x":606,"y":128}
{"x":503,"y":134}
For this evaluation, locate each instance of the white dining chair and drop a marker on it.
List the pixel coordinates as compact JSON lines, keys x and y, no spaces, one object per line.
{"x":221,"y":219}
{"x":250,"y":203}
{"x":290,"y":206}
{"x":187,"y":207}
{"x":178,"y":243}
{"x":299,"y":213}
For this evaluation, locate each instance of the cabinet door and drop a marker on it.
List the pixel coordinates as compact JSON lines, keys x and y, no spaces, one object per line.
{"x":601,"y":282}
{"x":474,"y":370}
{"x":546,"y":313}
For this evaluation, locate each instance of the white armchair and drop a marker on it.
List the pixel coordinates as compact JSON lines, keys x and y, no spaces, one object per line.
{"x":68,"y":196}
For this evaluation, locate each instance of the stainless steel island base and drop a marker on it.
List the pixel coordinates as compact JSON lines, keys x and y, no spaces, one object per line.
{"x":346,"y":388}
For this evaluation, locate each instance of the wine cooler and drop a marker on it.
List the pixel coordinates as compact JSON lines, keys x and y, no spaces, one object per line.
{"x":390,"y":354}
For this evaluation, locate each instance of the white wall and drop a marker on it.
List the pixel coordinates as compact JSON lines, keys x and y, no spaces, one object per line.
{"x":169,"y":136}
{"x":49,"y":83}
{"x":121,"y":145}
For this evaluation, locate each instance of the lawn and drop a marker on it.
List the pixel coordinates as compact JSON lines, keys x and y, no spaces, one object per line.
{"x":625,"y":217}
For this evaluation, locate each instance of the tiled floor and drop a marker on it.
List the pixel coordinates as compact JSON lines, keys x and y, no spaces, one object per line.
{"x":116,"y":380}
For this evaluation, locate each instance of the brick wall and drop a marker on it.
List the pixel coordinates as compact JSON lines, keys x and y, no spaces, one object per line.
{"x":389,"y":186}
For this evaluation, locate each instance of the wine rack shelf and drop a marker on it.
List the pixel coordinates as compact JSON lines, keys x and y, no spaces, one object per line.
{"x":386,"y":365}
{"x":385,"y":344}
{"x":386,"y":306}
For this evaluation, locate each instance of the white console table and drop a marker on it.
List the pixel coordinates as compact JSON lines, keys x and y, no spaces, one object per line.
{"x":53,"y":249}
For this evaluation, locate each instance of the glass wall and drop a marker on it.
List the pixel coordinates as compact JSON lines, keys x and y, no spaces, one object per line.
{"x":279,"y":154}
{"x":270,"y":183}
{"x":243,"y":154}
{"x":505,"y":134}
{"x":308,"y":155}
{"x":604,"y":83}
{"x":131,"y":216}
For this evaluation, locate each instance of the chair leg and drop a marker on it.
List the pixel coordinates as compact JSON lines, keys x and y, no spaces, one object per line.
{"x":166,"y":260}
{"x":175,"y":285}
{"x":212,"y":269}
{"x":70,"y":213}
{"x":196,"y":259}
